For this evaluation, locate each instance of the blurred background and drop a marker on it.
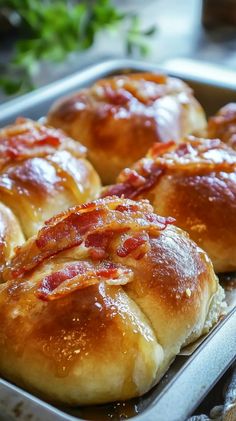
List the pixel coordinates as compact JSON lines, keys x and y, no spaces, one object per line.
{"x":42,"y":40}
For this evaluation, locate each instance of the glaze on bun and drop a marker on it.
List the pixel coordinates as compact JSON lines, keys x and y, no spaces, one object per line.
{"x":119,"y":118}
{"x":96,"y":306}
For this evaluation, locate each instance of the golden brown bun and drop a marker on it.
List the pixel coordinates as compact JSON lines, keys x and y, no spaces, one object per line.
{"x":223,"y":125}
{"x":10,"y":235}
{"x":42,"y":172}
{"x":119,"y":118}
{"x":97,"y":305}
{"x":195,"y":182}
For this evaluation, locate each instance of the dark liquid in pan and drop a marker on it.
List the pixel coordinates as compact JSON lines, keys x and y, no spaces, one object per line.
{"x":115,"y":411}
{"x":228,"y":280}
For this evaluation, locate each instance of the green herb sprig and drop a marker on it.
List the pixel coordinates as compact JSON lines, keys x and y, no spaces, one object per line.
{"x":51,"y":30}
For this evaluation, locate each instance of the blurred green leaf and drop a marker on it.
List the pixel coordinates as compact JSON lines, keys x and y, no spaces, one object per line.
{"x":53,"y":29}
{"x":10,"y":86}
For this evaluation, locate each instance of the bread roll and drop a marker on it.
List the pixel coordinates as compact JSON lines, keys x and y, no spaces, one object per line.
{"x":119,"y":118}
{"x":195,"y":182}
{"x":42,"y":172}
{"x":223,"y":125}
{"x":96,"y":306}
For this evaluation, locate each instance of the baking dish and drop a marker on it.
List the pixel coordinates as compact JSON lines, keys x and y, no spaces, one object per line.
{"x":190,"y":377}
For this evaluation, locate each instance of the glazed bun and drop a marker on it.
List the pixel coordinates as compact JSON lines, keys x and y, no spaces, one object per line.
{"x":195,"y":182}
{"x":42,"y":172}
{"x":223,"y":125}
{"x":119,"y":118}
{"x":96,"y":306}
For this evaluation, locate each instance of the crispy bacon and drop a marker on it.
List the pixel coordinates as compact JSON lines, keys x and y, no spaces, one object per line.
{"x":81,"y":275}
{"x":192,"y":156}
{"x":131,"y":184}
{"x":131,"y":244}
{"x":127,"y":207}
{"x":101,"y":218}
{"x":121,"y":90}
{"x":159,"y":148}
{"x":98,"y":243}
{"x":95,"y":225}
{"x":195,"y":154}
{"x":70,"y":230}
{"x":134,"y":178}
{"x":120,"y":190}
{"x":27,"y":139}
{"x":117,"y":96}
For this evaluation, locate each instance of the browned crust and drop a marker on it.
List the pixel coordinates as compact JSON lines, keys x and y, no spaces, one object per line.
{"x":83,"y":333}
{"x":195,"y":182}
{"x":119,"y":118}
{"x":28,"y":139}
{"x":42,"y":172}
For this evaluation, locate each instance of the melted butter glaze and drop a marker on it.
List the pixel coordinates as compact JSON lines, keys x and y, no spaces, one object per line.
{"x":77,"y":175}
{"x":35,"y":178}
{"x":142,"y":109}
{"x":78,"y":329}
{"x":204,"y":206}
{"x":172,"y":266}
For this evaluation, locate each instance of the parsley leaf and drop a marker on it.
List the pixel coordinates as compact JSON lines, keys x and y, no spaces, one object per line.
{"x":50,"y":30}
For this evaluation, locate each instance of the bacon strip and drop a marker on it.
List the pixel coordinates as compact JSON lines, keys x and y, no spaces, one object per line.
{"x":81,"y":275}
{"x":27,"y":138}
{"x":117,"y":96}
{"x":192,"y":156}
{"x":121,"y":90}
{"x":134,"y":184}
{"x":94,"y":225}
{"x":131,"y":244}
{"x":159,"y":148}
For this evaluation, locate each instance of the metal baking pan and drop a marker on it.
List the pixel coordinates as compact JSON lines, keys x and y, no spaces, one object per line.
{"x":211,"y":93}
{"x":190,"y":378}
